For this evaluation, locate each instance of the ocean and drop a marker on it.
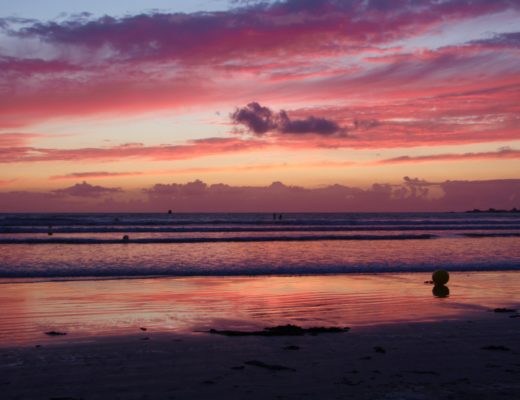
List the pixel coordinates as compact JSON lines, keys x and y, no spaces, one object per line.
{"x":92,"y":245}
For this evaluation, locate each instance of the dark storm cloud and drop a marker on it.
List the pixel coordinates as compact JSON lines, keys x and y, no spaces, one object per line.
{"x":261,"y":120}
{"x":256,"y":118}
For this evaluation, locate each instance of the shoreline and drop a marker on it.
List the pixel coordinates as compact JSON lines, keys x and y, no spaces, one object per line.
{"x":4,"y":280}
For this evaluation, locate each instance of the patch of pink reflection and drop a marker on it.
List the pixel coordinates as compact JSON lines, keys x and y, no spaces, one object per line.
{"x":87,"y":308}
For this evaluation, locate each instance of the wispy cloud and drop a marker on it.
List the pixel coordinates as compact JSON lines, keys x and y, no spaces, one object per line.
{"x":16,"y":139}
{"x":95,"y":175}
{"x":192,"y":149}
{"x":323,"y":26}
{"x":499,"y":154}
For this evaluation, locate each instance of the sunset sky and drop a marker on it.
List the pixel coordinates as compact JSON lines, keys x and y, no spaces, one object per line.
{"x":369,"y":105}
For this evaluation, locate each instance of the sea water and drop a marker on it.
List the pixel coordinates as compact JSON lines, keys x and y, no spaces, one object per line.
{"x":92,"y":245}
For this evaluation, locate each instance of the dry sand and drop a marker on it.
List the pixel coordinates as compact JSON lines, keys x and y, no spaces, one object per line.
{"x":477,"y":358}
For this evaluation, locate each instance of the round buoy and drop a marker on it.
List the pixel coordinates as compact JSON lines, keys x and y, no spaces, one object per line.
{"x":440,"y":277}
{"x":126,"y":238}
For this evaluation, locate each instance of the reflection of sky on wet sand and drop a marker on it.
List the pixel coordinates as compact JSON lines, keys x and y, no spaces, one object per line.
{"x":110,"y":307}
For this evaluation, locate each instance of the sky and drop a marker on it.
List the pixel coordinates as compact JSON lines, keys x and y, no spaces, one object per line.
{"x":295,"y":105}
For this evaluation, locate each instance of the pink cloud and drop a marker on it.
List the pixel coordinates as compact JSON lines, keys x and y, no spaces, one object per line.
{"x":430,"y":103}
{"x":364,"y":134}
{"x":424,"y":74}
{"x":16,"y":139}
{"x":488,"y":114}
{"x":193,"y":149}
{"x":30,"y":66}
{"x":119,"y":91}
{"x":469,"y":116}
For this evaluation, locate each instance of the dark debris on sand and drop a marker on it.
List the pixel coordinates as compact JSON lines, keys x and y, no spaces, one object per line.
{"x":272,"y":367}
{"x":419,"y":372}
{"x":349,"y":382}
{"x":65,"y":398}
{"x":496,"y":348}
{"x":282,"y":330}
{"x":55,"y":333}
{"x":504,"y":310}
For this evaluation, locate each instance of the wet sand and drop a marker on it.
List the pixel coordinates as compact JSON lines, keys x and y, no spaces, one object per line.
{"x":407,"y":345}
{"x":465,"y":359}
{"x":86,"y":308}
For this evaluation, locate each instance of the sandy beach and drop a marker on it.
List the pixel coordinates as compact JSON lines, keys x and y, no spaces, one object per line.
{"x":410,"y":345}
{"x":465,"y":359}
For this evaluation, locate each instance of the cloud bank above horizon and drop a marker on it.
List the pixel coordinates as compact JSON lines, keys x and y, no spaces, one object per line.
{"x":411,"y":195}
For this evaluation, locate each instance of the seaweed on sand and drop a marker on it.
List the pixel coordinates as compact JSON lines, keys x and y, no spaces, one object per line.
{"x":282,"y":330}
